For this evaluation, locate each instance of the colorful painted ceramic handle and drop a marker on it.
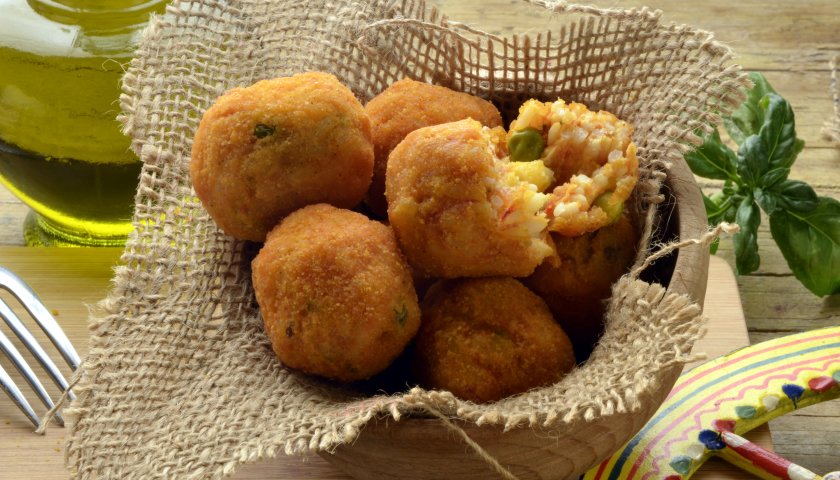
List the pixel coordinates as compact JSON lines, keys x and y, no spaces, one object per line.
{"x":731,"y":394}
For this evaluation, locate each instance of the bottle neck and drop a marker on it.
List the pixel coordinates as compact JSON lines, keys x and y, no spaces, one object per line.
{"x":98,"y":15}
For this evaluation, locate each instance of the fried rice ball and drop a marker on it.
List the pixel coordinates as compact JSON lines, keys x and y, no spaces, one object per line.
{"x":263,"y":151}
{"x":576,"y":281}
{"x":591,"y":154}
{"x":408,"y":105}
{"x":486,"y":339}
{"x":335,"y":293}
{"x":461,"y":211}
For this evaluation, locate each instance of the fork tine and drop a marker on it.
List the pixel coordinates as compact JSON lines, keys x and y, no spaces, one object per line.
{"x":39,"y":312}
{"x":12,"y":391}
{"x":33,"y":346}
{"x":25,"y":370}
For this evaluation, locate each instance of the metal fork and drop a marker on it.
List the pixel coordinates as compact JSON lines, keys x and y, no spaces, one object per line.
{"x":14,"y":285}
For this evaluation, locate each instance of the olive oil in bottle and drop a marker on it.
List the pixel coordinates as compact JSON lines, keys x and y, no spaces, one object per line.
{"x":61,"y":149}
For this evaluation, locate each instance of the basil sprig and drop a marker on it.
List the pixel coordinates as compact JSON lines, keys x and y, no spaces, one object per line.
{"x":806,"y":227}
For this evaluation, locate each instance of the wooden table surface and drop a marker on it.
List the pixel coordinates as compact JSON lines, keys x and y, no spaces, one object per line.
{"x":792,"y":44}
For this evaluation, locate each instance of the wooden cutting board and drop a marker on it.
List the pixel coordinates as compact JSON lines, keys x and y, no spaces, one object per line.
{"x":72,"y":280}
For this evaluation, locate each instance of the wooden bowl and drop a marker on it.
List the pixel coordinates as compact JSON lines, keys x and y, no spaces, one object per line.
{"x":416,"y":448}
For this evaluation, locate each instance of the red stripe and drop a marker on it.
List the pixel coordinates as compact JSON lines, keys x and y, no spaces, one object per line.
{"x":602,"y":467}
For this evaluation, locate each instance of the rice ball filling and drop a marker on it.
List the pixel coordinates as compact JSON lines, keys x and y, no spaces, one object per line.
{"x":516,"y":196}
{"x":593,"y":160}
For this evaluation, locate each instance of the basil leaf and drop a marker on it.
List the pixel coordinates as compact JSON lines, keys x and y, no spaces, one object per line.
{"x":749,"y":117}
{"x":795,"y":195}
{"x":735,"y":129}
{"x":752,"y":161}
{"x":798,"y":145}
{"x":713,"y":212}
{"x":810,"y":242}
{"x":788,"y":195}
{"x":778,"y":133}
{"x":715,"y":208}
{"x":765,"y":159}
{"x":729,"y":214}
{"x":713,"y":159}
{"x":766,"y":200}
{"x":713,"y":248}
{"x":729,"y":189}
{"x":774,"y":176}
{"x":734,"y":202}
{"x":712,"y":209}
{"x":748,"y":217}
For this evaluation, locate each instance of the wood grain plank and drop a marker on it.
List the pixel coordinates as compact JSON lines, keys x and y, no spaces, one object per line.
{"x":810,"y":436}
{"x":12,"y":215}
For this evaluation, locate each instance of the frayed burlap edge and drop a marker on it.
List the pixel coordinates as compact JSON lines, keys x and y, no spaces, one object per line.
{"x":179,"y":380}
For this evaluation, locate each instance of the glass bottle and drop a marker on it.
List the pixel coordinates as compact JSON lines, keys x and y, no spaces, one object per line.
{"x":61,"y":149}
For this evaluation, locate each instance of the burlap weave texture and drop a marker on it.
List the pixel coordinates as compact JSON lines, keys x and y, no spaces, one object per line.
{"x":180,"y":381}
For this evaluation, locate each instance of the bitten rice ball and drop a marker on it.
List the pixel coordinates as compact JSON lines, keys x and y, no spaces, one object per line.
{"x":577,"y":280}
{"x":408,"y":105}
{"x":461,"y":211}
{"x":263,"y":151}
{"x":335,"y":293}
{"x":487,"y":339}
{"x":591,"y":154}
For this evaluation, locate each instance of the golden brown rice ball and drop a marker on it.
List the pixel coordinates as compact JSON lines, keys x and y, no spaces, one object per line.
{"x":263,"y":151}
{"x":460,"y":211}
{"x":577,"y":280}
{"x":487,"y":339}
{"x":408,"y":105}
{"x":335,"y":293}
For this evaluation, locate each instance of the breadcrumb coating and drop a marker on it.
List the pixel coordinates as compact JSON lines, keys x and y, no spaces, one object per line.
{"x":576,"y":281}
{"x":263,"y":151}
{"x":489,"y":338}
{"x":335,"y":293}
{"x":407,"y":105}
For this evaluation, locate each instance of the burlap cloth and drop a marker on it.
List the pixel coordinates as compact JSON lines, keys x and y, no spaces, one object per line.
{"x":180,"y":381}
